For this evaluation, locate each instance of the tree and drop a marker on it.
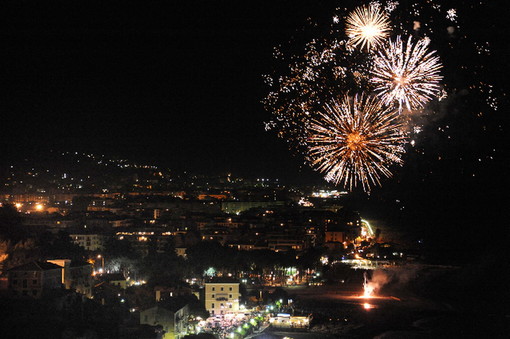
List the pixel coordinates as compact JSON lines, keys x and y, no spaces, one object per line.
{"x":22,"y":252}
{"x":277,"y":295}
{"x":310,"y":259}
{"x":60,"y":246}
{"x":115,"y":248}
{"x":209,"y":254}
{"x":140,"y":296}
{"x":4,"y":252}
{"x":162,"y":268}
{"x":11,"y":227}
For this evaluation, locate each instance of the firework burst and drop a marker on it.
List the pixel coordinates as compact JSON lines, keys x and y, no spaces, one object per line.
{"x":406,"y":73}
{"x":325,"y":70}
{"x":355,"y":140}
{"x":322,"y":62}
{"x":367,"y":27}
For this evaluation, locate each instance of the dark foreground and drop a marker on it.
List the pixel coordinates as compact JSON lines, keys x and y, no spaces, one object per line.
{"x":432,"y":304}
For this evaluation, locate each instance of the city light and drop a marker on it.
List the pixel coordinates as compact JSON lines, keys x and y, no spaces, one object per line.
{"x":367,"y":306}
{"x":389,"y":110}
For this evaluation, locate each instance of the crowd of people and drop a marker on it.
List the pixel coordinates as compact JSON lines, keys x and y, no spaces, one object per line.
{"x":224,"y":325}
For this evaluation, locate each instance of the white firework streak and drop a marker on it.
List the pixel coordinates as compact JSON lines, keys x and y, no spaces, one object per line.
{"x":406,"y":73}
{"x":367,"y":26}
{"x":355,"y":140}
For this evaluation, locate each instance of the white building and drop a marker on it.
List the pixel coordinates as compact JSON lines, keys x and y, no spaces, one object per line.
{"x":90,"y":242}
{"x":222,"y":296}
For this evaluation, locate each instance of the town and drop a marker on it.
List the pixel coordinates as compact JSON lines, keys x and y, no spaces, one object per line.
{"x":254,"y":170}
{"x":94,"y":246}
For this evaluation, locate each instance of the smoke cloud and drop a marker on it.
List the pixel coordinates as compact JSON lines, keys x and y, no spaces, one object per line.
{"x":392,"y":275}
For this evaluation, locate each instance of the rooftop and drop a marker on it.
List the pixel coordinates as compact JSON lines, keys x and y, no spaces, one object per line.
{"x":36,"y":266}
{"x":223,"y":280}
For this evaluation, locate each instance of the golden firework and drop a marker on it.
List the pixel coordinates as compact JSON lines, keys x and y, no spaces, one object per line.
{"x":367,"y":27}
{"x":356,"y":139}
{"x":406,"y":73}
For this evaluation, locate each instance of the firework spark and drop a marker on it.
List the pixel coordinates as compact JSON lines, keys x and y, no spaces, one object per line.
{"x":451,"y":14}
{"x":368,"y":288}
{"x":406,"y":73}
{"x":326,"y":69}
{"x":355,"y":140}
{"x":367,"y":27}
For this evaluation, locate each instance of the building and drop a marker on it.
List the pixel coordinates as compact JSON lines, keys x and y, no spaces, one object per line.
{"x":76,"y":275}
{"x":335,"y":236}
{"x":33,"y":279}
{"x":43,"y":221}
{"x":242,"y":246}
{"x":222,"y":296}
{"x":158,"y":315}
{"x":208,"y":196}
{"x":167,"y":292}
{"x":79,"y":278}
{"x":64,"y":264}
{"x":115,"y":279}
{"x":173,"y":320}
{"x":284,"y":320}
{"x":90,"y":242}
{"x":107,"y":294}
{"x":220,"y":235}
{"x":285,"y":242}
{"x":236,"y":207}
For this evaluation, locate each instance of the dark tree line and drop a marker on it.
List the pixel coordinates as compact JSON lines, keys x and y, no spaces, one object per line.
{"x":212,"y":254}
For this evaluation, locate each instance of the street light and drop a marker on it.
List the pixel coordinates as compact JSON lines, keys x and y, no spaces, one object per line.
{"x":99,"y":256}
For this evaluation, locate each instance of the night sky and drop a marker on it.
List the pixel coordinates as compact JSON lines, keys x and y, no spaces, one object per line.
{"x":181,"y":85}
{"x":180,"y":82}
